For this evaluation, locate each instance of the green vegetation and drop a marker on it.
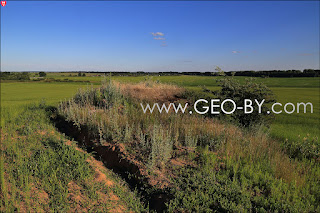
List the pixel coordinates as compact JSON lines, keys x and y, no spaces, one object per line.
{"x":232,"y":89}
{"x":115,"y":117}
{"x":190,"y":81}
{"x":286,"y":90}
{"x":42,"y":74}
{"x":41,"y":171}
{"x":233,"y":168}
{"x":238,"y":185}
{"x":16,"y":76}
{"x":207,"y":164}
{"x":290,"y":126}
{"x":21,"y":93}
{"x":208,"y":81}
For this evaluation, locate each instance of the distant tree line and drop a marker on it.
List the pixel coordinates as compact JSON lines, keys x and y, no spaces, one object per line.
{"x":280,"y":73}
{"x":263,"y":74}
{"x":138,"y":73}
{"x":15,"y":76}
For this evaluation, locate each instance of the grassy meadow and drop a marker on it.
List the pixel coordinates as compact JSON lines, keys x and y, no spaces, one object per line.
{"x":204,"y":164}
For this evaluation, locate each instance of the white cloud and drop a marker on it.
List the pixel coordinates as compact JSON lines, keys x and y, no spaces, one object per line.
{"x":159,"y":38}
{"x":235,"y":52}
{"x":158,"y":34}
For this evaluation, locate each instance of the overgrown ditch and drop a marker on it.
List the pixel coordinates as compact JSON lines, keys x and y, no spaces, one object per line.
{"x":114,"y":158}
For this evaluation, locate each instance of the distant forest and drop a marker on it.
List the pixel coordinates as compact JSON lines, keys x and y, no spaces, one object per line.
{"x":263,"y":74}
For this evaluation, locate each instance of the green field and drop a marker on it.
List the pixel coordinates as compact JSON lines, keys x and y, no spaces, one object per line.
{"x":191,"y":81}
{"x":17,"y":93}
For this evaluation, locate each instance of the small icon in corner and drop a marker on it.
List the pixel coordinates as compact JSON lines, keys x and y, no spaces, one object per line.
{"x":3,"y":3}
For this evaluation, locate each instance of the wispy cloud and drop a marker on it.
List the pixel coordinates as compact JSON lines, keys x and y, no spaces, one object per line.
{"x":159,"y":38}
{"x":164,"y":44}
{"x":158,"y":34}
{"x":306,"y":54}
{"x":235,"y":52}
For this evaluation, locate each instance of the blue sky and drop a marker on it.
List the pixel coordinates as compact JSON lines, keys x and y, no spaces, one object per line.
{"x":159,"y":35}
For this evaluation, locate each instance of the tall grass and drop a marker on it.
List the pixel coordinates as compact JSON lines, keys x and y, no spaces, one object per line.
{"x":253,"y":162}
{"x":118,"y":118}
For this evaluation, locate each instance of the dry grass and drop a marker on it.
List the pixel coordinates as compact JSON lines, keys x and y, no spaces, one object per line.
{"x":259,"y":148}
{"x":151,"y":91}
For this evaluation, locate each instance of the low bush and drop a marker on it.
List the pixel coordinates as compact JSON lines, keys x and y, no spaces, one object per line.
{"x":225,"y":185}
{"x":251,"y":90}
{"x":306,"y":147}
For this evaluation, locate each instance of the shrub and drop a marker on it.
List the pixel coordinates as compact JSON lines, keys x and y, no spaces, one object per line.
{"x":232,"y":89}
{"x":42,"y":74}
{"x":306,"y":147}
{"x":161,"y":147}
{"x":225,"y":185}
